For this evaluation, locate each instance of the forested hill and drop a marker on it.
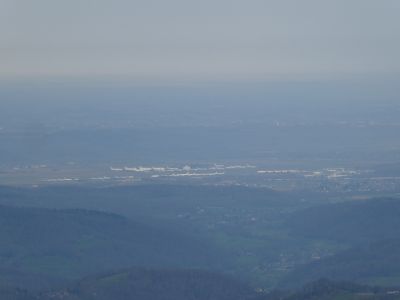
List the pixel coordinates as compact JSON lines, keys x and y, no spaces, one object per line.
{"x":43,"y":247}
{"x":370,"y":229}
{"x":143,"y":284}
{"x":152,"y":284}
{"x":351,"y":222}
{"x":324,"y":289}
{"x":378,"y":262}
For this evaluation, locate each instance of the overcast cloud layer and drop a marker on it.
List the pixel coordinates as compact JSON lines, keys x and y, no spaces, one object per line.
{"x":205,"y":39}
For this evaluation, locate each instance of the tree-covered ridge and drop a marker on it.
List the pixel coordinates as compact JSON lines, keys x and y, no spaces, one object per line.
{"x":378,"y":262}
{"x":42,"y":247}
{"x":165,"y":284}
{"x":324,"y":289}
{"x":175,"y":284}
{"x":350,"y":222}
{"x":370,"y":229}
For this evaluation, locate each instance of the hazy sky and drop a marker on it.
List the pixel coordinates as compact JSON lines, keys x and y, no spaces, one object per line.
{"x":208,"y":39}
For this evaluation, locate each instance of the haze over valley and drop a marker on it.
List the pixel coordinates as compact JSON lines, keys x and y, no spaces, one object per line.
{"x":199,"y":150}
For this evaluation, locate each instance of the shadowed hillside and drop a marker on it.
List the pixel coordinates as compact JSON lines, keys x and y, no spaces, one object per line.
{"x":155,"y":285}
{"x":42,"y":247}
{"x":351,"y":222}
